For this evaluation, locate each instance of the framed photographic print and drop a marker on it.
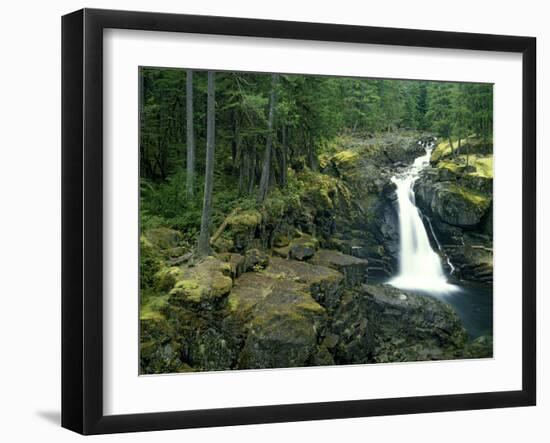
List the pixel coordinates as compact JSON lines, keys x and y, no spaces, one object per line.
{"x":269,"y":221}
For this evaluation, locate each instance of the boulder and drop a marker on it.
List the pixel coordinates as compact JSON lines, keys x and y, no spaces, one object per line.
{"x":411,"y":327}
{"x":159,"y":348}
{"x":163,"y":238}
{"x":403,"y":149}
{"x":203,"y":287}
{"x":242,"y":226}
{"x":303,"y":247}
{"x":236,"y":263}
{"x":451,"y":203}
{"x":216,"y":347}
{"x":474,"y":258}
{"x":354,"y":269}
{"x":324,"y":284}
{"x":351,"y":336}
{"x":255,"y":260}
{"x":480,"y":347}
{"x":280,"y":321}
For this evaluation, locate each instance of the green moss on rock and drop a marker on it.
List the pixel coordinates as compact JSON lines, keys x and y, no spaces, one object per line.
{"x":150,"y":262}
{"x":166,"y":278}
{"x":244,"y":220}
{"x":203,"y":285}
{"x":163,"y":238}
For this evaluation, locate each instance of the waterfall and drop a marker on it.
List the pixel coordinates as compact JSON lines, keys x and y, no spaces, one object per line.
{"x":419,"y":265}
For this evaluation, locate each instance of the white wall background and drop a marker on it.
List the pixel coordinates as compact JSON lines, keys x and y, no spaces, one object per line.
{"x":30,"y":219}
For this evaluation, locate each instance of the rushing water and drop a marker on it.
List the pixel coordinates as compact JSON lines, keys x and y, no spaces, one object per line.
{"x":420,"y":266}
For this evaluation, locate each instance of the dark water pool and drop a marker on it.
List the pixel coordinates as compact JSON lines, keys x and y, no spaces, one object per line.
{"x":473,"y":304}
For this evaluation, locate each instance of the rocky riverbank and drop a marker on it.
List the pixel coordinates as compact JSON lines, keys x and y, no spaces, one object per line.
{"x":456,"y":195}
{"x":292,"y":284}
{"x":257,"y":311}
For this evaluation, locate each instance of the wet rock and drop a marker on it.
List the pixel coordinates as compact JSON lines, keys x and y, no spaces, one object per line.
{"x":474,"y":258}
{"x":411,"y":327}
{"x":403,"y":149}
{"x":451,"y":203}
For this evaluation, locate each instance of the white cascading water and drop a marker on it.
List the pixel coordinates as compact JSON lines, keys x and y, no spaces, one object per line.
{"x":419,"y":265}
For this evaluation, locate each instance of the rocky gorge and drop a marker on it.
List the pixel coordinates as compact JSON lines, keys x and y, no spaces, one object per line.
{"x":302,"y":282}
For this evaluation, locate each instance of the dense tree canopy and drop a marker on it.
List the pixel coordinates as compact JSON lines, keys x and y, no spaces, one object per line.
{"x":267,"y":125}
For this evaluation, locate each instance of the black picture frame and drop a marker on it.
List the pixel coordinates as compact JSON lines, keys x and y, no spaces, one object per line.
{"x":82,"y":219}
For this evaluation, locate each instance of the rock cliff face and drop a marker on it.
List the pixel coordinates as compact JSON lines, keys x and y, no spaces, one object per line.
{"x":290,"y":313}
{"x":456,"y":195}
{"x":291,"y":285}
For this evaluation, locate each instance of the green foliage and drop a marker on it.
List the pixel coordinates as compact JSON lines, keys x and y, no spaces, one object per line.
{"x":149,"y":263}
{"x":313,"y":115}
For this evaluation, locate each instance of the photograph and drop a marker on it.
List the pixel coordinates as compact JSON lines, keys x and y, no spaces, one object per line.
{"x":298,"y":220}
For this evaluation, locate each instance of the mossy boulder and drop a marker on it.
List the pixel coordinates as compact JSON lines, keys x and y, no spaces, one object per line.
{"x":241,"y":228}
{"x":451,"y":203}
{"x":473,"y":171}
{"x":166,"y":278}
{"x":280,"y":321}
{"x":354,"y":269}
{"x":471,"y":145}
{"x":204,"y":286}
{"x":163,"y":238}
{"x":343,"y":161}
{"x":322,"y":191}
{"x":324,"y":284}
{"x":150,"y":262}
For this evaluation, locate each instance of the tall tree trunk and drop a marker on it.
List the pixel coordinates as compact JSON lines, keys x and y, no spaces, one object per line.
{"x":242,"y":173}
{"x":204,"y":237}
{"x":252,"y":167}
{"x":236,"y":143}
{"x":190,"y":135}
{"x":284,"y":156}
{"x":311,"y":153}
{"x":264,"y":179}
{"x":452,"y":147}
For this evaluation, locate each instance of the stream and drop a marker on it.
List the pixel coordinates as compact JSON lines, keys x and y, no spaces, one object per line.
{"x":420,"y":267}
